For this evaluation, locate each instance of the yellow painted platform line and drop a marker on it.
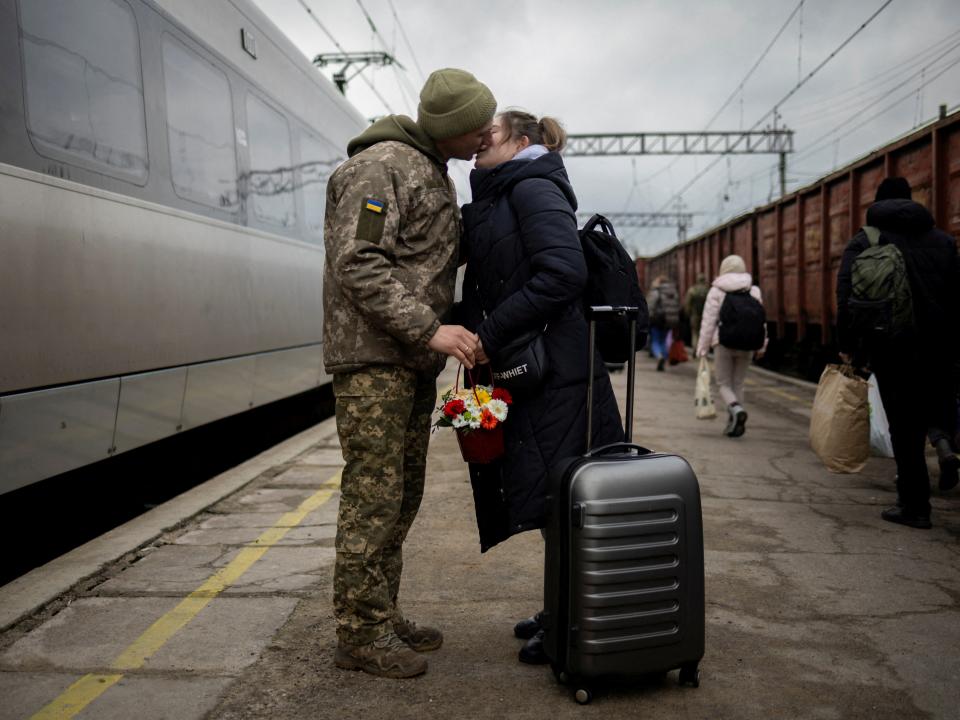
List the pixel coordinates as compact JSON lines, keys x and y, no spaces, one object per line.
{"x":88,"y":688}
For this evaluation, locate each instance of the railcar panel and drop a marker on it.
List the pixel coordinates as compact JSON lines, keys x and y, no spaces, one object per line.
{"x":149,"y":408}
{"x":812,"y":304}
{"x":48,"y":432}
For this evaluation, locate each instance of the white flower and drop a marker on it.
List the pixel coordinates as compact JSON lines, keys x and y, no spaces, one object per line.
{"x":474,"y":422}
{"x":498,"y":408}
{"x":459,"y":422}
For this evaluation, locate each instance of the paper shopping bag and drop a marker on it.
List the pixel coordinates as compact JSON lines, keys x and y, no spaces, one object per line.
{"x":840,"y":421}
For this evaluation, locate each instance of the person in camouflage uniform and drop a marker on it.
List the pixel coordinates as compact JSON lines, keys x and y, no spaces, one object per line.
{"x":392,"y":233}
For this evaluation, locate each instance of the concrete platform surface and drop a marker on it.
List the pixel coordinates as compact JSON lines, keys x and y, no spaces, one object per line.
{"x":816,"y":608}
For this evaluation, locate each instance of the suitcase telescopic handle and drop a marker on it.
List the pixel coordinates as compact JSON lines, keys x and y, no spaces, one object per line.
{"x":617,"y":447}
{"x":607,"y":312}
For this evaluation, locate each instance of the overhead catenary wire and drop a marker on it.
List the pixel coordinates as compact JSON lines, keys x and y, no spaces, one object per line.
{"x":403,"y":82}
{"x":403,"y":34}
{"x":786,"y":97}
{"x":339,"y":47}
{"x":737,"y":91}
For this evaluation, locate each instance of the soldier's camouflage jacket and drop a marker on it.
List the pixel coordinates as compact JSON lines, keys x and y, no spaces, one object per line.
{"x":391,"y":231}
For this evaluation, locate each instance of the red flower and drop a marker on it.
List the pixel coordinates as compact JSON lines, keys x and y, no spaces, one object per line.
{"x":501,"y":394}
{"x":487,"y":419}
{"x":454,"y":408}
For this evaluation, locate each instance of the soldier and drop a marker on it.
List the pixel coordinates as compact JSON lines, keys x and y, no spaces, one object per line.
{"x":392,"y":231}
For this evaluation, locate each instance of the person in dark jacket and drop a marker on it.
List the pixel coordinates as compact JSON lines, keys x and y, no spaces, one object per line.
{"x":526,"y":271}
{"x":915,"y":371}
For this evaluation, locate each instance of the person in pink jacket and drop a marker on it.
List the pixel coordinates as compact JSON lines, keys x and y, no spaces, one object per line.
{"x":730,"y":364}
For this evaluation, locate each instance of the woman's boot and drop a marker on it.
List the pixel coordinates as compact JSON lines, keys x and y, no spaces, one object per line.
{"x":949,"y":465}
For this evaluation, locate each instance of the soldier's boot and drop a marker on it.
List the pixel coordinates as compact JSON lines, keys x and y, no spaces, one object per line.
{"x":949,"y":465}
{"x":418,"y":637}
{"x":387,"y":656}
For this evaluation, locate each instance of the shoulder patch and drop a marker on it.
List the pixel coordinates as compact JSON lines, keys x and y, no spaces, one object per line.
{"x":372,"y":219}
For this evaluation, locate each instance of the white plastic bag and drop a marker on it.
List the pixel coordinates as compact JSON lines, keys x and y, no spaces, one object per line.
{"x":702,"y":399}
{"x":879,"y":427}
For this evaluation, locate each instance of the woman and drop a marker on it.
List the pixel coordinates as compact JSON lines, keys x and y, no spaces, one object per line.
{"x":526,"y":271}
{"x":731,"y":365}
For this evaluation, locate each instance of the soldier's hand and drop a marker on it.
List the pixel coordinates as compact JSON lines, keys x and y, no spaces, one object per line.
{"x":456,"y":341}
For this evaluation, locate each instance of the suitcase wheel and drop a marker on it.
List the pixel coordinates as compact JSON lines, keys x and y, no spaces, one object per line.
{"x":583,"y":695}
{"x":690,"y":675}
{"x":560,"y":674}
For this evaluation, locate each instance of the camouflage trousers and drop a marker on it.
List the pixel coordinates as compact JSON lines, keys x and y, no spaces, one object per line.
{"x":383,"y":419}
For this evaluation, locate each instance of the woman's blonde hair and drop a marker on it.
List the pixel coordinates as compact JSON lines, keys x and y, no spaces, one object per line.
{"x":546,"y":131}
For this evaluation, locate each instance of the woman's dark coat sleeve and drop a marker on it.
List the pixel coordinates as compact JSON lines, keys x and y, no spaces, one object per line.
{"x":548,"y":231}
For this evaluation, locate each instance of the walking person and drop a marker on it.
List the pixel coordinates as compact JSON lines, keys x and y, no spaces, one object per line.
{"x":693,"y":303}
{"x":392,"y":233}
{"x":734,"y":327}
{"x":663,"y":299}
{"x":526,"y":272}
{"x":913,"y":350}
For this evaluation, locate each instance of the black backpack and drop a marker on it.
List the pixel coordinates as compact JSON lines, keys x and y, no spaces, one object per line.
{"x":612,"y":280}
{"x":742,"y":321}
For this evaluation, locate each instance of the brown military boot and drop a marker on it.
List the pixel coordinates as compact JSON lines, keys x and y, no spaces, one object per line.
{"x":387,"y":656}
{"x":418,"y":637}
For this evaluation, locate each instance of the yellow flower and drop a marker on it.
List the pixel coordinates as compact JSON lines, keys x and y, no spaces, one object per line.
{"x":483,"y":396}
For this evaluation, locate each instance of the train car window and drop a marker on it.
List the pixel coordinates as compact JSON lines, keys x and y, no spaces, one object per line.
{"x":318,"y":158}
{"x":200,"y":127}
{"x":271,"y":164}
{"x":83,"y":85}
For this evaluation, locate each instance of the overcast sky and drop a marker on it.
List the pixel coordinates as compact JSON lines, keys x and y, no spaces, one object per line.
{"x":654,"y":65}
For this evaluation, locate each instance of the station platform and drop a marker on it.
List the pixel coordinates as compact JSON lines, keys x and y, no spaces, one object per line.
{"x":816,"y":608}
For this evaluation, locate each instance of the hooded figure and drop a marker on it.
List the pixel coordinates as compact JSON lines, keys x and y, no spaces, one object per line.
{"x":916,"y":372}
{"x":730,"y":364}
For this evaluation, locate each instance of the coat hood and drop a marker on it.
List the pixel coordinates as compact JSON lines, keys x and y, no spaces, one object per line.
{"x":900,"y":216}
{"x":399,"y":128}
{"x":488,"y":182}
{"x":733,"y":282}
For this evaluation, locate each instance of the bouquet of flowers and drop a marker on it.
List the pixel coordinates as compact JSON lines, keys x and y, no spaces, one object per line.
{"x":477,"y":414}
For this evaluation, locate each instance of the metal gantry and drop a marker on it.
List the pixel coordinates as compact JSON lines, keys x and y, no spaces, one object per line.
{"x":340,"y":78}
{"x":746,"y":142}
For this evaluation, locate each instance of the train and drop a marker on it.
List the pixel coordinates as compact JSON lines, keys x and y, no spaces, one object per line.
{"x":163,"y":168}
{"x":793,"y":245}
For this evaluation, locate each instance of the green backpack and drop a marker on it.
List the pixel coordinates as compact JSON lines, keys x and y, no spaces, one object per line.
{"x":881,"y":305}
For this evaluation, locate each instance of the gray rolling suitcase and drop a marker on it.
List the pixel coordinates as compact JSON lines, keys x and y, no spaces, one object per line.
{"x":623,"y":582}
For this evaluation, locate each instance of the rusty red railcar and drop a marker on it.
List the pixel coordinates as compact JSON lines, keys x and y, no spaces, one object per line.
{"x":793,"y":245}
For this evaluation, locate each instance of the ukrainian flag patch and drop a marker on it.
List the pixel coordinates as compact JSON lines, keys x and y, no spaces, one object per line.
{"x":373,"y":205}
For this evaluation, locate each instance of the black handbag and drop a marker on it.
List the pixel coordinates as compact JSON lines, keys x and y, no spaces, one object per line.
{"x":520,"y":366}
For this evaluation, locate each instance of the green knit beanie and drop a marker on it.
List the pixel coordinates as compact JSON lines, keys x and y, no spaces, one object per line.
{"x":453,"y":102}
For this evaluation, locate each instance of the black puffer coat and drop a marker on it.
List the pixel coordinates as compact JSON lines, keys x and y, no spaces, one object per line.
{"x":930,"y":256}
{"x":525,"y":269}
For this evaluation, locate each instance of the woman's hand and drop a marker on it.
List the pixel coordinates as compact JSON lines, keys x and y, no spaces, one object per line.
{"x":480,"y":355}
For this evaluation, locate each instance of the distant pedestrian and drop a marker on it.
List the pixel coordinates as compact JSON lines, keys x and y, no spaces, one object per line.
{"x":663,"y":300}
{"x":693,"y":303}
{"x":907,"y":334}
{"x":392,"y":236}
{"x":733,"y":325}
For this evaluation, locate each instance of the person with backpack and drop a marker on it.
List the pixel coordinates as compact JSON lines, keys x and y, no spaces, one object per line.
{"x":898,"y":300}
{"x":734,"y":325}
{"x":526,"y":273}
{"x":693,"y":303}
{"x":663,"y":300}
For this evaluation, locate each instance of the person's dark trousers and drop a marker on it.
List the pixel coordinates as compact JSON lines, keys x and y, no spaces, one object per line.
{"x":905,"y":389}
